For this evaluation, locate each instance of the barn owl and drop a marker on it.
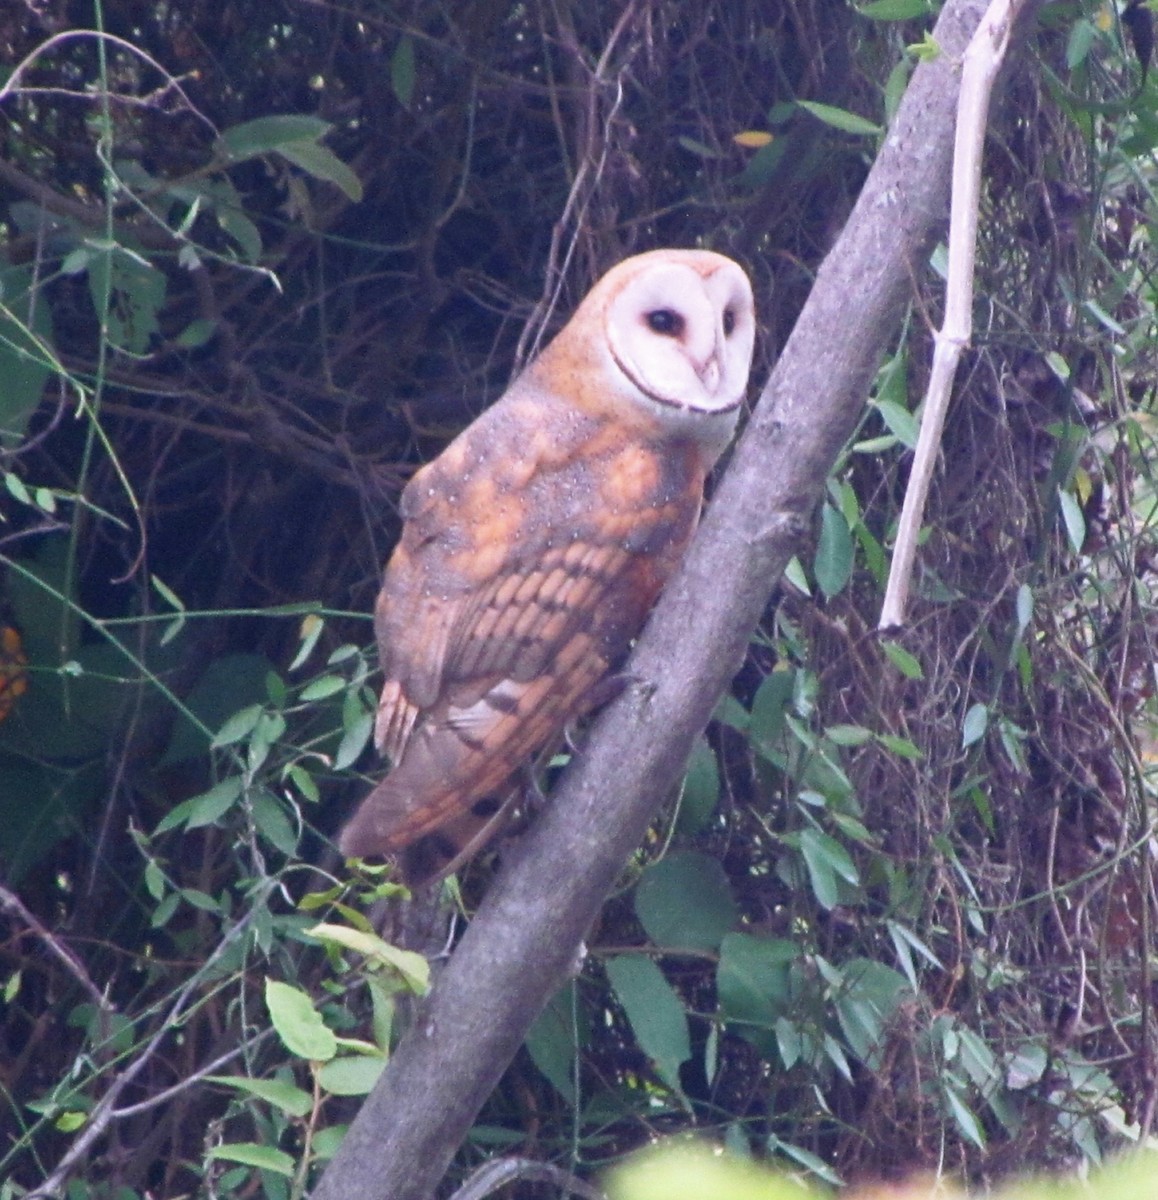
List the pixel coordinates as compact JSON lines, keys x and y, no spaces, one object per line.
{"x":535,"y":544}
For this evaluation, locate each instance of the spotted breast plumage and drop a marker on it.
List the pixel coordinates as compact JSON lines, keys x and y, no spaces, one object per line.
{"x":534,"y":546}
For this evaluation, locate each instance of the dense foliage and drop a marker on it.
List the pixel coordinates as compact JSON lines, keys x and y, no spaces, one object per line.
{"x":259,"y":260}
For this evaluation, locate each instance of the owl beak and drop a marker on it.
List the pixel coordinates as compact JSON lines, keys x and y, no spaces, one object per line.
{"x":709,"y":373}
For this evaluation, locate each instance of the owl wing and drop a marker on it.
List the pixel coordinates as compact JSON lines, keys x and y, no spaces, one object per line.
{"x":518,"y":583}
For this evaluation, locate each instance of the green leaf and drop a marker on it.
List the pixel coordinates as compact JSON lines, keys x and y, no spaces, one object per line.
{"x":895,"y":10}
{"x":239,"y":725}
{"x":795,"y":575}
{"x":901,"y":746}
{"x":271,"y":821}
{"x":197,"y":333}
{"x":684,"y":902}
{"x":1024,"y":607}
{"x":770,"y":709}
{"x":286,"y":1096}
{"x":1075,"y":522}
{"x":127,"y":292}
{"x":242,"y":230}
{"x":816,"y":1165}
{"x":356,"y":737}
{"x":403,"y":71}
{"x":322,"y":163}
{"x":203,"y":809}
{"x":697,"y":148}
{"x":865,"y":1005}
{"x":899,"y":421}
{"x":265,"y":134}
{"x":826,"y":859}
{"x":1027,"y":1066}
{"x":413,"y":968}
{"x":905,"y":662}
{"x":840,"y":118}
{"x":320,"y":689}
{"x":352,"y":1074}
{"x":298,"y":1023}
{"x":1082,"y":37}
{"x":701,"y":790}
{"x":752,"y":978}
{"x":974,"y":726}
{"x":966,"y":1122}
{"x":266,"y":1158}
{"x":848,"y":735}
{"x":656,"y":1014}
{"x":553,"y":1040}
{"x":832,"y":565}
{"x":26,"y":357}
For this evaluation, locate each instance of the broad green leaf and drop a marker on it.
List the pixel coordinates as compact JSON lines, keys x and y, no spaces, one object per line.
{"x":656,"y":1014}
{"x":817,"y":1166}
{"x":264,"y":134}
{"x":899,"y":421}
{"x":242,"y":230}
{"x":974,"y":726}
{"x":239,"y":726}
{"x":770,"y":708}
{"x":352,"y":1074}
{"x":414,"y":969}
{"x":701,"y":791}
{"x":553,"y":1041}
{"x":848,"y":735}
{"x":228,"y":683}
{"x":358,"y":724}
{"x":322,"y":163}
{"x":1027,"y":1066}
{"x":403,"y":71}
{"x":826,"y":859}
{"x":298,"y":1023}
{"x":197,"y":333}
{"x":865,"y":1004}
{"x":697,"y":148}
{"x":311,"y":630}
{"x":832,"y":565}
{"x":286,"y":1096}
{"x":840,"y":118}
{"x":895,"y":10}
{"x":684,"y":902}
{"x":271,"y":821}
{"x":251,"y":1154}
{"x":905,"y":662}
{"x":203,"y":809}
{"x":1024,"y":607}
{"x":1081,"y":38}
{"x":319,"y":689}
{"x":964,"y":1118}
{"x":1075,"y":521}
{"x":752,"y":978}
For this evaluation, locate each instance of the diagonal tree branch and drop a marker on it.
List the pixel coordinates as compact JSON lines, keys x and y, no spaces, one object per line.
{"x":523,"y":943}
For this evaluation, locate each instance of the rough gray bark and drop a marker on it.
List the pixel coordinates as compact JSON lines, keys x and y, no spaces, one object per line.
{"x":523,"y":943}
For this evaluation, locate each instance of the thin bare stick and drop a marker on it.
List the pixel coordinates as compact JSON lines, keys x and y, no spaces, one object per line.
{"x":981,"y":62}
{"x":104,"y":1111}
{"x":11,"y":904}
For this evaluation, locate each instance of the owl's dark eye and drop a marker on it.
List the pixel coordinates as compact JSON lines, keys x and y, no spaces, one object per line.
{"x":666,"y":322}
{"x":729,"y":322}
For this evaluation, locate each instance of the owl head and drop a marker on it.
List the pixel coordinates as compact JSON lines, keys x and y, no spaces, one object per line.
{"x":665,"y":340}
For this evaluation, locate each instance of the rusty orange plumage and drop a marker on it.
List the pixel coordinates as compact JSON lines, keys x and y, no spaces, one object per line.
{"x":534,"y":546}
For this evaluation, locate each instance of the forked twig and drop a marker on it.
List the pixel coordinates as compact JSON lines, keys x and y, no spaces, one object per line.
{"x":981,"y":62}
